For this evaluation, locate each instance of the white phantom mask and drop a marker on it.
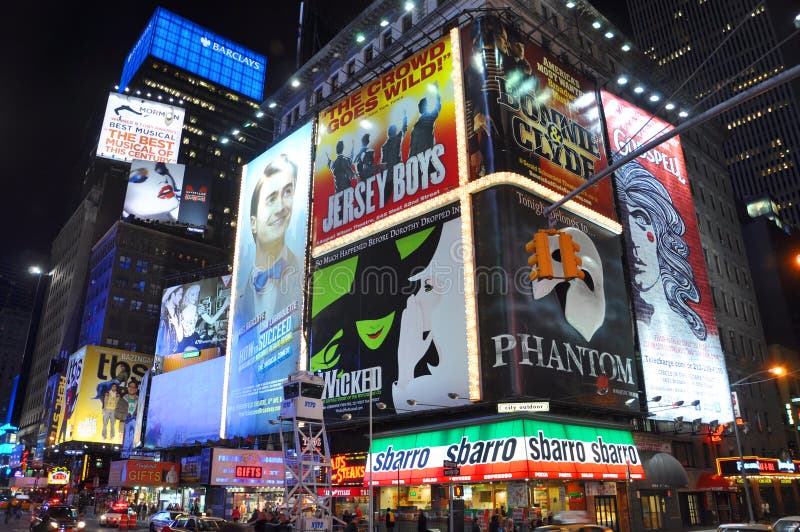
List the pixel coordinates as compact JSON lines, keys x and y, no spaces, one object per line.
{"x":583,"y":301}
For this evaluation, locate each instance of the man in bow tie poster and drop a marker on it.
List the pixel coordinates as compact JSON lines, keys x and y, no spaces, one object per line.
{"x":268,"y":304}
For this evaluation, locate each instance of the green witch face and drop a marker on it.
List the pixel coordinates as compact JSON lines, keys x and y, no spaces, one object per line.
{"x":374,"y":332}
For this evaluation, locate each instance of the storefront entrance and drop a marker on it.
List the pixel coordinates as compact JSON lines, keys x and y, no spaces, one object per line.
{"x":605,"y":511}
{"x":654,"y":506}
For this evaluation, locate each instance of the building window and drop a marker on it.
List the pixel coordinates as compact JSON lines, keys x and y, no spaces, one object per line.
{"x":350,"y":69}
{"x":142,"y":266}
{"x":684,"y":453}
{"x":369,"y":52}
{"x":136,"y":305}
{"x":296,"y":114}
{"x":334,"y":82}
{"x":140,"y":286}
{"x":125,"y":262}
{"x":318,"y":96}
{"x":406,"y":22}
{"x":387,"y":39}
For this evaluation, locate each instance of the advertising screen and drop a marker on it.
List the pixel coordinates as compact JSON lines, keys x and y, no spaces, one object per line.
{"x":137,"y":438}
{"x":194,"y":317}
{"x":241,"y":467}
{"x":131,"y":473}
{"x":388,"y":317}
{"x":102,"y":391}
{"x":193,"y":48}
{"x":514,"y":449}
{"x":528,"y":113}
{"x":135,"y":128}
{"x":550,"y":338}
{"x":269,"y":275}
{"x":53,"y":408}
{"x":185,"y":405}
{"x":389,"y":145}
{"x":682,"y":358}
{"x":170,"y":193}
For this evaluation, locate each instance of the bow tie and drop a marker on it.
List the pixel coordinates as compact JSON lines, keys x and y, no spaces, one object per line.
{"x":260,"y":279}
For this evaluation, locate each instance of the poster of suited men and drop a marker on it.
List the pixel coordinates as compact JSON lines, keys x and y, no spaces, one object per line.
{"x":550,"y":338}
{"x":387,"y":145}
{"x":267,"y":303}
{"x":388,"y":317}
{"x":529,"y":113}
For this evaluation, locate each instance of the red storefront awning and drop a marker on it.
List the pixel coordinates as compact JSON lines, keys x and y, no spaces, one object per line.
{"x":713,"y":482}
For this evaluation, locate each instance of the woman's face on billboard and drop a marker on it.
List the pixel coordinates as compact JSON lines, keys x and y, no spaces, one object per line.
{"x":150,"y":194}
{"x":645,"y":268}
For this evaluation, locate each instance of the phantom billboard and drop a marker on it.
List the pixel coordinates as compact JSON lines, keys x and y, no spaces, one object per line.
{"x":167,"y":193}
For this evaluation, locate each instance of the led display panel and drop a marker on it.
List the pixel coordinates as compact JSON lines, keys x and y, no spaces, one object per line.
{"x":386,"y":146}
{"x":135,"y":128}
{"x":506,"y":450}
{"x":558,"y":339}
{"x":167,"y":193}
{"x":185,"y":406}
{"x":682,"y":358}
{"x":186,"y":45}
{"x":102,"y":391}
{"x":388,"y":317}
{"x":194,"y":318}
{"x":269,"y":275}
{"x":243,"y":467}
{"x":528,"y":113}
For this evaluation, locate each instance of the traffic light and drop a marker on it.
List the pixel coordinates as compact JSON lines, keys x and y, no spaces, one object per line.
{"x":541,"y":261}
{"x":569,"y":257}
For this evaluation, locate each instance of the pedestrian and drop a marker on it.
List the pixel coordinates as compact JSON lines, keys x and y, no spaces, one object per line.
{"x":235,"y":515}
{"x":476,"y":527}
{"x":389,"y":520}
{"x":8,"y":511}
{"x":494,"y":523}
{"x":359,"y":513}
{"x":422,"y":522}
{"x":352,"y":526}
{"x":765,"y":510}
{"x":346,"y":517}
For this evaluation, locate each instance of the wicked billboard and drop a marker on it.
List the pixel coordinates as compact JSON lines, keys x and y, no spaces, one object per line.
{"x":386,"y":146}
{"x":550,"y":338}
{"x":528,"y":113}
{"x":682,"y":359}
{"x":388,"y":318}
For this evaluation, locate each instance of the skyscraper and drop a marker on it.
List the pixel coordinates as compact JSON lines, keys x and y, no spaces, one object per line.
{"x":726,"y":48}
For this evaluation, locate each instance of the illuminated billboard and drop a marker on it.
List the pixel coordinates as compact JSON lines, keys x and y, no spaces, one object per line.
{"x":52,"y":408}
{"x":131,"y":473}
{"x":386,"y":146}
{"x":528,"y":113}
{"x":174,"y":396}
{"x":194,"y":317}
{"x":388,"y":316}
{"x":135,"y":128}
{"x":242,"y":467}
{"x":520,"y":449}
{"x":102,"y":391}
{"x":550,"y":338}
{"x":682,"y":358}
{"x":193,"y":48}
{"x":269,"y":275}
{"x":170,"y":193}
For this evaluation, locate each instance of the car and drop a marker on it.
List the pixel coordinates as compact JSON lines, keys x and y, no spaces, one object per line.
{"x":790,"y":523}
{"x":195,"y":523}
{"x":57,"y":517}
{"x":573,"y":527}
{"x":744,"y":527}
{"x":112,"y":516}
{"x":162,"y":518}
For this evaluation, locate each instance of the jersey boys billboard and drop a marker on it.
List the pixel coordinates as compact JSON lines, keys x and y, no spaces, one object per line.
{"x":134,"y":128}
{"x":550,"y":338}
{"x":388,"y":316}
{"x":102,"y":391}
{"x":387,"y":146}
{"x":681,"y":354}
{"x":268,"y":283}
{"x":528,"y":113}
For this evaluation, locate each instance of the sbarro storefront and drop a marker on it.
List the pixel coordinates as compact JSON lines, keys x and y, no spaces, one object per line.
{"x":527,"y":467}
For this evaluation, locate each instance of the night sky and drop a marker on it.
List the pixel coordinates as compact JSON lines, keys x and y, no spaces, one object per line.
{"x":59,"y":61}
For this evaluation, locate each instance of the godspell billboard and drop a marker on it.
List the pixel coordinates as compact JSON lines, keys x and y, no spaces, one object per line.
{"x":528,"y":113}
{"x":550,"y":338}
{"x":163,"y":192}
{"x":386,"y":146}
{"x":102,"y":391}
{"x":682,"y":358}
{"x":388,"y":318}
{"x":135,"y":128}
{"x":269,"y":272}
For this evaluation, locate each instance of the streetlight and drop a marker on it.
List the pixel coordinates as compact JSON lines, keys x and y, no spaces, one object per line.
{"x":776,"y":372}
{"x":347,"y":417}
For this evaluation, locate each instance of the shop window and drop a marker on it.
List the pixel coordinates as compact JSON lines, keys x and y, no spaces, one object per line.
{"x":693,"y":507}
{"x":653,"y":509}
{"x":605,"y":511}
